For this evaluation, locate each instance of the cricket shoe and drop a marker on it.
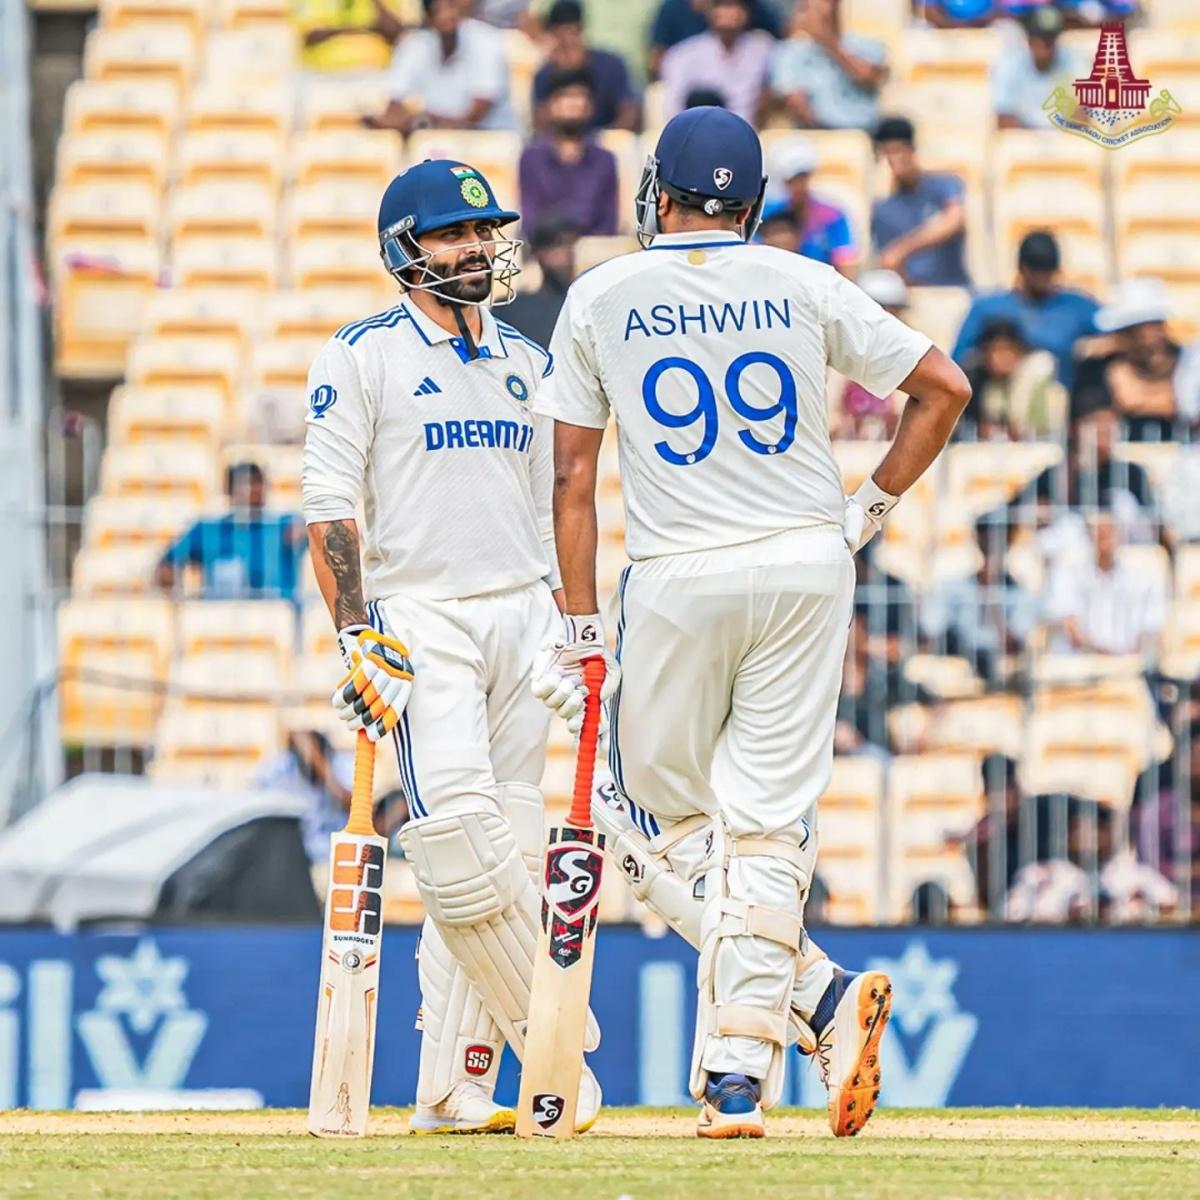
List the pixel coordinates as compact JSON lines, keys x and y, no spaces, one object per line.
{"x":732,"y":1108}
{"x":848,"y":1023}
{"x":467,"y":1109}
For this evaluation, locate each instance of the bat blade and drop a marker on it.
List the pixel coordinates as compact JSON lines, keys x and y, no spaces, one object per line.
{"x":347,"y":1000}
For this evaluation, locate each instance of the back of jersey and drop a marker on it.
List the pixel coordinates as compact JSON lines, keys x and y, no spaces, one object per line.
{"x":712,"y":356}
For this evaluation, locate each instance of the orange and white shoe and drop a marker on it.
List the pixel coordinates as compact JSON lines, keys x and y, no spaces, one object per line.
{"x":732,"y":1108}
{"x":849,"y":1023}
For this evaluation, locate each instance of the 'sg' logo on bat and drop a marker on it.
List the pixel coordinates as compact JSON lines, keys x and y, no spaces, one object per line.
{"x":573,"y":878}
{"x":547,"y":1108}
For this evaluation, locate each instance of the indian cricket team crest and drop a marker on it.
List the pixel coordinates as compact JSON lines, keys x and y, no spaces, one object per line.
{"x":517,"y":388}
{"x":473,"y":192}
{"x":1112,"y":106}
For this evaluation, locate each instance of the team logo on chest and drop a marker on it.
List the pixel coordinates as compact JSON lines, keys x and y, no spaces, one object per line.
{"x":517,"y":388}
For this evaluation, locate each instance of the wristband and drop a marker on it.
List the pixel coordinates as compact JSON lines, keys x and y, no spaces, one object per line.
{"x":584,"y":631}
{"x":875,"y":502}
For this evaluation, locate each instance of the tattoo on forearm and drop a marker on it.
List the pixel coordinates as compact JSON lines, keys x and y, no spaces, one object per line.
{"x":341,"y":556}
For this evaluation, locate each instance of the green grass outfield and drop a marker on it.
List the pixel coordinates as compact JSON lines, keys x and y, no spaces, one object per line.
{"x":633,"y":1154}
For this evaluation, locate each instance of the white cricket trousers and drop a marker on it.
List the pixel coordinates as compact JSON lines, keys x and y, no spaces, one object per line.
{"x":731,"y":664}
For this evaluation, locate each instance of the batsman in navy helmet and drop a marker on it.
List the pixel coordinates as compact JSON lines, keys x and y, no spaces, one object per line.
{"x":711,"y":353}
{"x":442,"y":600}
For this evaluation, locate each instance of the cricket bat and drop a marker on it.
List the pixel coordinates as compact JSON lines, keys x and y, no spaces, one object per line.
{"x":347,"y":1002}
{"x":562,"y":969}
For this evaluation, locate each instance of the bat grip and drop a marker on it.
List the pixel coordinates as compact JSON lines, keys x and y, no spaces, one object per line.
{"x":580,"y":816}
{"x":362,"y":794}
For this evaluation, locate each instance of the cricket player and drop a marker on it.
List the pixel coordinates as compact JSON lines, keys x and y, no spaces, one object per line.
{"x":711,"y":354}
{"x":423,"y":413}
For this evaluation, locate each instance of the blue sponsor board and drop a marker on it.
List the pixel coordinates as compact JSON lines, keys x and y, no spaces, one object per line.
{"x":1004,"y":1016}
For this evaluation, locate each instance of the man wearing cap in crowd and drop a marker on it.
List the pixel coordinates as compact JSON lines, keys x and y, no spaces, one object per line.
{"x":1026,"y":73}
{"x":1051,"y":317}
{"x":824,"y":229}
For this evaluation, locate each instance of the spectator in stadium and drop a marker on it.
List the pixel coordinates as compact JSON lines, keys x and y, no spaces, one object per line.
{"x":986,"y":618}
{"x":856,"y":414}
{"x":1050,"y":317}
{"x":824,"y":228}
{"x":614,"y":105}
{"x":248,"y":553}
{"x":919,"y":230}
{"x":552,"y":243}
{"x":1080,"y":14}
{"x":824,"y":78}
{"x":993,"y":846}
{"x":677,"y":20}
{"x":1137,"y":379}
{"x":1106,"y":605}
{"x":780,"y":229}
{"x":959,"y":14}
{"x":455,"y":69}
{"x":1167,"y":827}
{"x":565,"y":172}
{"x":345,"y":35}
{"x":729,"y":57}
{"x":1015,"y":394}
{"x":1027,"y":72}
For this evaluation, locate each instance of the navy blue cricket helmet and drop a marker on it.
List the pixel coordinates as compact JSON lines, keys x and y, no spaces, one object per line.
{"x":707,"y":158}
{"x":431,"y":195}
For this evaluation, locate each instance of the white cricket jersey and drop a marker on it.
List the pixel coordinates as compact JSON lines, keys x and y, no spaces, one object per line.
{"x":454,"y":470}
{"x":712,"y":356}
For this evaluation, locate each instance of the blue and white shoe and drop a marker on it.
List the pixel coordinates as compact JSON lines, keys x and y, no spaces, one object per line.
{"x":848,"y":1023}
{"x":732,"y":1108}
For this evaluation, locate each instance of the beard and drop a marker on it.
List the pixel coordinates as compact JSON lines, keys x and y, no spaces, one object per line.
{"x":464,"y":291}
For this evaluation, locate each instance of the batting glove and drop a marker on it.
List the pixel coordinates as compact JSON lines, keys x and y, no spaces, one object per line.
{"x":558,"y":670}
{"x":864,"y":514}
{"x":378,"y":681}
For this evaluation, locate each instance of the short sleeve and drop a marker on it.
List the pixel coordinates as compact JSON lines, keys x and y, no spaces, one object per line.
{"x":573,"y":393}
{"x":950,"y":189}
{"x":339,"y":432}
{"x":867,"y":344}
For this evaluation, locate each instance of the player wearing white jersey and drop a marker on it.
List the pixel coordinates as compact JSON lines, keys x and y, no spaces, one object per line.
{"x":711,"y":354}
{"x":423,"y":413}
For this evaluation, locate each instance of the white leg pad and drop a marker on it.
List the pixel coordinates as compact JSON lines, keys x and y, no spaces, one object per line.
{"x":476,"y":889}
{"x":752,"y":931}
{"x":459,"y":1040}
{"x":522,"y":803}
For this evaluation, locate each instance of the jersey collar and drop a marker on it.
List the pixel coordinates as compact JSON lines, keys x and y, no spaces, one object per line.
{"x":491,"y":344}
{"x":696,"y":238}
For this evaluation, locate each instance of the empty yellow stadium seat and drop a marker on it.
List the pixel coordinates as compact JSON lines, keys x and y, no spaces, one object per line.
{"x":113,"y":657}
{"x":231,"y":154}
{"x":849,"y":831}
{"x":1158,"y":157}
{"x":325,"y":209}
{"x":203,"y":312}
{"x":112,"y":105}
{"x":335,"y":262}
{"x":227,"y":677}
{"x":102,"y":290}
{"x":123,"y":570}
{"x":943,"y":103}
{"x":341,"y":104}
{"x":247,"y":263}
{"x":113,"y":156}
{"x":216,"y":746}
{"x":144,"y":51}
{"x":193,"y":14}
{"x":369,"y":158}
{"x":981,"y":725}
{"x":318,"y":638}
{"x":982,"y":475}
{"x":240,"y":104}
{"x":239,"y":14}
{"x":315,"y":312}
{"x":187,"y":362}
{"x":1024,"y":155}
{"x":1187,"y":575}
{"x":222,"y":208}
{"x":136,"y":520}
{"x":1166,"y":56}
{"x":938,"y":312}
{"x":161,"y":414}
{"x":589,"y":251}
{"x":494,"y":152}
{"x":254,"y":52}
{"x":1021,"y":208}
{"x":953,"y":55}
{"x":108,"y":209}
{"x":284,"y":364}
{"x":238,"y":625}
{"x":1165,"y":256}
{"x":1158,"y":204}
{"x":184,"y":470}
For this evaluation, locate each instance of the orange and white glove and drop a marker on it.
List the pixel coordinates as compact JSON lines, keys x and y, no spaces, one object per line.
{"x":378,"y":681}
{"x":558,"y":668}
{"x":864,"y":514}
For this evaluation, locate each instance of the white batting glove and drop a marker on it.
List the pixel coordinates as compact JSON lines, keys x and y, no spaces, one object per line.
{"x":558,"y":672}
{"x":864,"y":514}
{"x":378,"y":683}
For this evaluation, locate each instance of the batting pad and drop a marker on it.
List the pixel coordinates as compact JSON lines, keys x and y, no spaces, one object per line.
{"x":476,"y":889}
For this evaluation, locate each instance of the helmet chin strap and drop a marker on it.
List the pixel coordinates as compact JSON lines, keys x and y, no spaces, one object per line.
{"x":460,"y":320}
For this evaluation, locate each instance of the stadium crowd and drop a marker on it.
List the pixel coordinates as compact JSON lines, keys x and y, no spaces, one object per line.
{"x":1054,"y":572}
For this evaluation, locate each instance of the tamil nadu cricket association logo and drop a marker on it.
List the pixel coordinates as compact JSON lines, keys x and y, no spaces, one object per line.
{"x":1112,"y":106}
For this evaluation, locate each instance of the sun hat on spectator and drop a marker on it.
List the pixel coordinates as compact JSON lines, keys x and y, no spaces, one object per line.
{"x":1136,"y":302}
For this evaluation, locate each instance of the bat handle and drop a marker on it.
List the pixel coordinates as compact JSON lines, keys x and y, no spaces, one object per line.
{"x":580,"y":816}
{"x":362,"y":794}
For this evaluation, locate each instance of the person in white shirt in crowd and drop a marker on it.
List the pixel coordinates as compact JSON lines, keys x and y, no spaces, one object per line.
{"x":1026,"y":73}
{"x":1107,"y":606}
{"x":450,"y":74}
{"x":422,"y":413}
{"x":711,"y":355}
